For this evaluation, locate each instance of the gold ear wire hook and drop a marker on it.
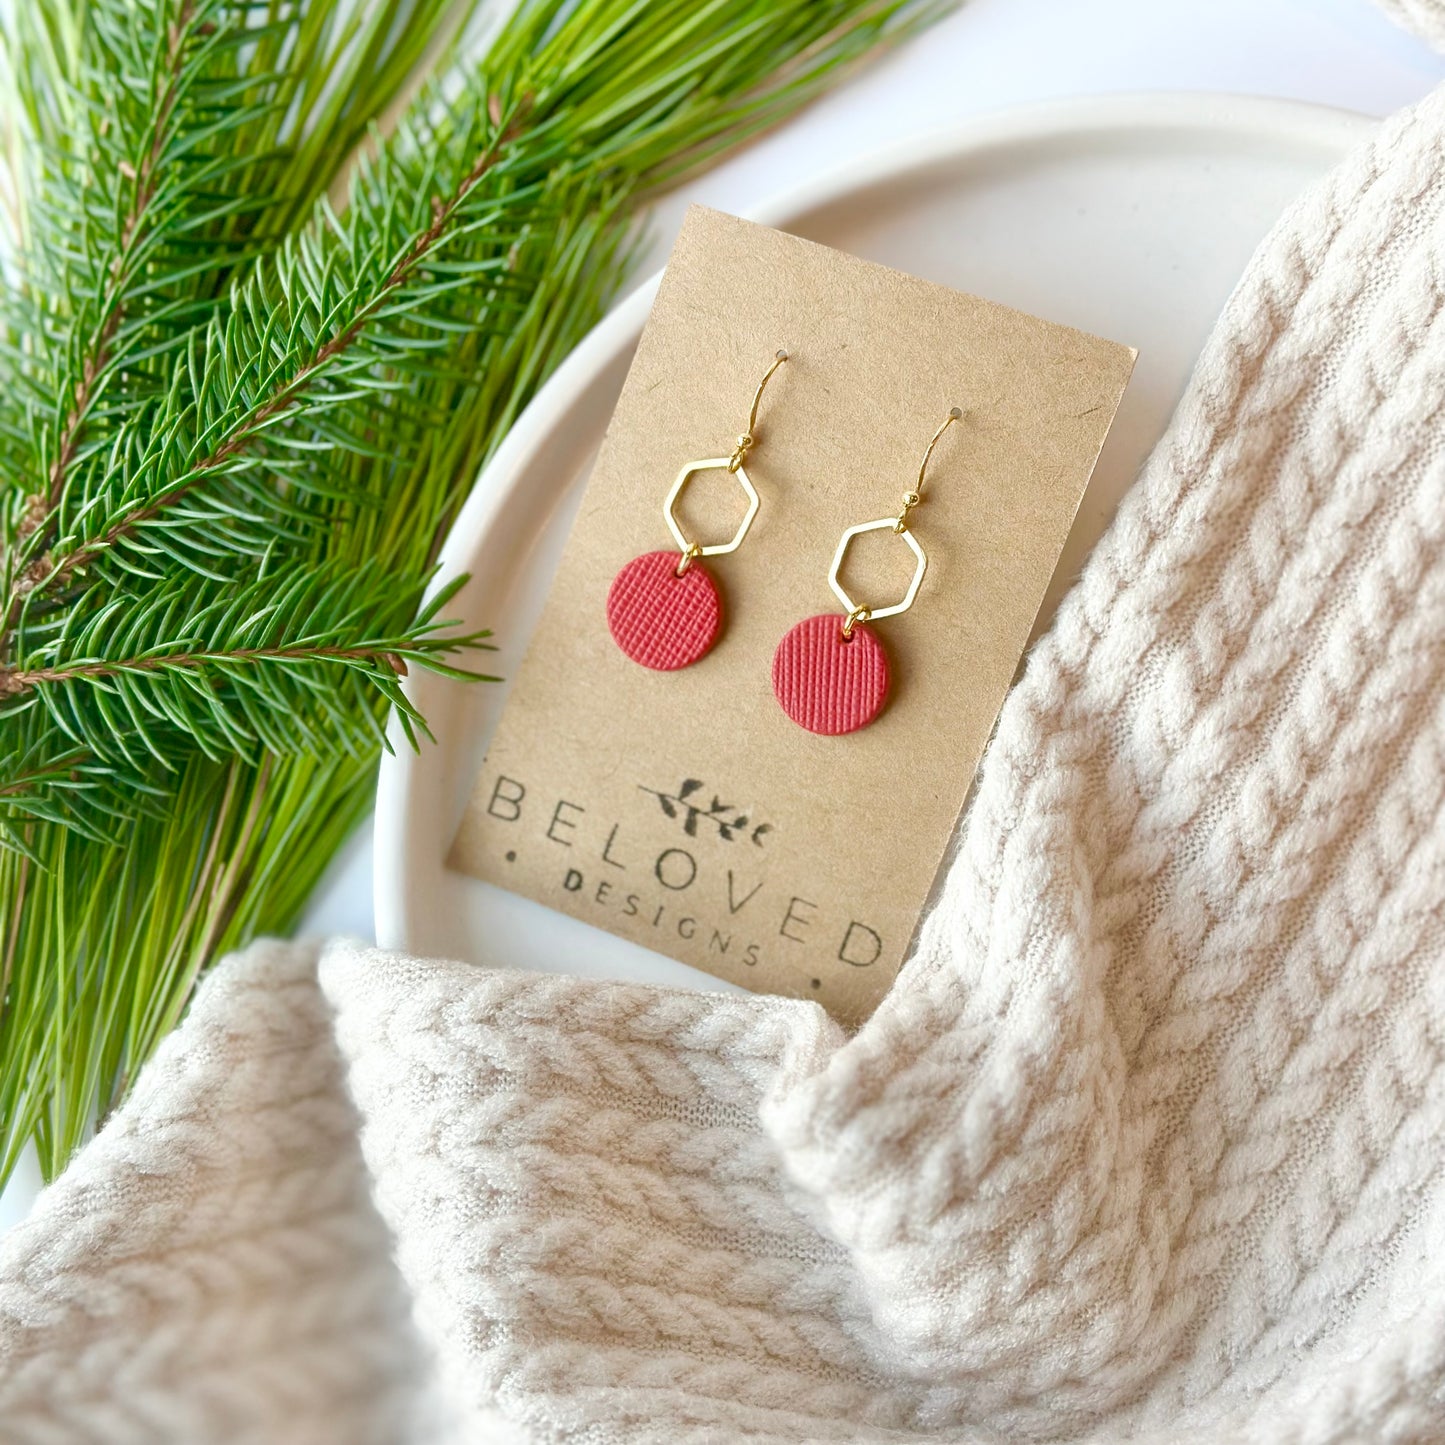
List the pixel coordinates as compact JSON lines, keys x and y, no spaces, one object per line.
{"x":913,"y":498}
{"x":746,"y":439}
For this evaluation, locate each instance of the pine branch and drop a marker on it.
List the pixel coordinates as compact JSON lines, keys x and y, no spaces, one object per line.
{"x":283,"y":664}
{"x":119,"y":273}
{"x":201,"y":155}
{"x":365,"y":304}
{"x":261,"y":372}
{"x":160,"y":97}
{"x":66,"y":787}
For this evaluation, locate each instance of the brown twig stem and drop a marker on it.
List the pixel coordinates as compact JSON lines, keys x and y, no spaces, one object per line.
{"x":16,"y":682}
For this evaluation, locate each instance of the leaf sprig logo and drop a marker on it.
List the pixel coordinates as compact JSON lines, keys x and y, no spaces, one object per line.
{"x":731,"y":823}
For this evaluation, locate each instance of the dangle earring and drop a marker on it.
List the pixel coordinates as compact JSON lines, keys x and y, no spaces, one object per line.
{"x":830,"y":673}
{"x":665,"y":611}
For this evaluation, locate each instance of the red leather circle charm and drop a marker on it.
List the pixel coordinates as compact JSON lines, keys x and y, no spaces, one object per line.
{"x":659,"y":619}
{"x":827,"y":683}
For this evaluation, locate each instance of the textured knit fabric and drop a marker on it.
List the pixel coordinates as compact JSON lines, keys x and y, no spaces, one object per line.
{"x":211,"y":1267}
{"x":1425,"y":17}
{"x":1146,"y":1143}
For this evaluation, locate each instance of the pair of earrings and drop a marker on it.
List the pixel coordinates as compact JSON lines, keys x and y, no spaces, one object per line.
{"x":830,"y":673}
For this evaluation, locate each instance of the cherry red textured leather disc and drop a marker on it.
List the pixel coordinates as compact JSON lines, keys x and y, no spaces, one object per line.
{"x":828,"y":684}
{"x":660,"y":619}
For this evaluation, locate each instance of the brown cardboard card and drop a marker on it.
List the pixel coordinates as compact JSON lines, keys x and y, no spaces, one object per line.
{"x":684,"y":810}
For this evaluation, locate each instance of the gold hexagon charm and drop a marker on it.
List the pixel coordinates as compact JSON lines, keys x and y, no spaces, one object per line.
{"x":874,"y":613}
{"x":712,"y":464}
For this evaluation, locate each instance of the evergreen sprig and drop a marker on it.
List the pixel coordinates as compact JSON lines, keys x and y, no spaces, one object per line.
{"x":132,"y":219}
{"x":70,"y":788}
{"x":283,"y":663}
{"x":339,"y":314}
{"x":241,"y":398}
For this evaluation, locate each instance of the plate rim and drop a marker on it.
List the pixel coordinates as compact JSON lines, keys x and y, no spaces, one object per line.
{"x":1330,"y":127}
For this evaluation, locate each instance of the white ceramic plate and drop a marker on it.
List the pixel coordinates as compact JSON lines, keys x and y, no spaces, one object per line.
{"x":1129,"y":216}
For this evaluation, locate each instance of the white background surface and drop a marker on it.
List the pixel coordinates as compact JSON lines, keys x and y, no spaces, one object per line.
{"x":993,"y":54}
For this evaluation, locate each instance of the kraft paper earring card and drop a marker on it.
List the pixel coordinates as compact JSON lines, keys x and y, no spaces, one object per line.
{"x":683,"y":809}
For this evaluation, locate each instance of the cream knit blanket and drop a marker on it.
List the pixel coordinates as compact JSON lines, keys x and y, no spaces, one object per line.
{"x":1147,"y":1143}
